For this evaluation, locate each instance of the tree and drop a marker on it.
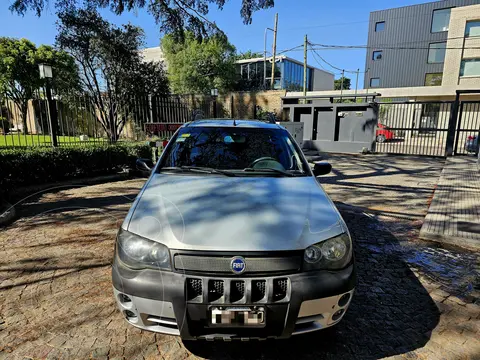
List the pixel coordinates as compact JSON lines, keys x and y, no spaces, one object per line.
{"x":346,"y":83}
{"x":112,"y":70}
{"x":198,"y":65}
{"x":249,"y":54}
{"x":19,"y":74}
{"x":174,"y":16}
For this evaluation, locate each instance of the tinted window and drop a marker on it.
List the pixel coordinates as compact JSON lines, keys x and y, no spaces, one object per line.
{"x":472,"y":28}
{"x":374,"y":82}
{"x":470,"y":67}
{"x":440,"y":20}
{"x":380,"y":26}
{"x":433,"y":79}
{"x":436,"y":52}
{"x":231,"y":148}
{"x":377,"y":55}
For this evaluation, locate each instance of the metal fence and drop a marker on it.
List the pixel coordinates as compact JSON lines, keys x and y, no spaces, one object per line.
{"x":413,"y":128}
{"x":82,"y":119}
{"x":467,"y":135}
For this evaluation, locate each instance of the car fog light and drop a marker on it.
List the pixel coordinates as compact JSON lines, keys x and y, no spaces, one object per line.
{"x":337,"y":315}
{"x":312,"y":254}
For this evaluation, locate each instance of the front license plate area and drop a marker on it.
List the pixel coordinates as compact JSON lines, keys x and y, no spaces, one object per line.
{"x":237,"y":317}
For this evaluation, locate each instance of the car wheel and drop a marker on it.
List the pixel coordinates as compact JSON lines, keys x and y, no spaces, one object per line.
{"x":381,"y":138}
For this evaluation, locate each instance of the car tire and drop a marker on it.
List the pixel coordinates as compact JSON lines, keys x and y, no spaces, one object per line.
{"x":381,"y":138}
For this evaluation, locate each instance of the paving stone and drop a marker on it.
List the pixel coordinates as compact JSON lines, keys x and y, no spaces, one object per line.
{"x":396,"y":311}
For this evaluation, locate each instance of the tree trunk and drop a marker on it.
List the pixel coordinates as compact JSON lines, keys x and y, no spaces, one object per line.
{"x":24,"y":110}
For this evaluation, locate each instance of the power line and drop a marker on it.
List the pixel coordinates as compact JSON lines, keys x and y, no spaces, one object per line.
{"x":333,"y":66}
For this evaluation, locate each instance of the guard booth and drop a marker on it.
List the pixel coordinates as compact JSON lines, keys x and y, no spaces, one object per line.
{"x":334,"y":124}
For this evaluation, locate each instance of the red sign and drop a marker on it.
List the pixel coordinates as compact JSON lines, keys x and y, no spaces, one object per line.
{"x":155,"y":128}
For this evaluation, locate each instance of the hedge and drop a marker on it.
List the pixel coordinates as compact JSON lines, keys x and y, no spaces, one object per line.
{"x":33,"y":166}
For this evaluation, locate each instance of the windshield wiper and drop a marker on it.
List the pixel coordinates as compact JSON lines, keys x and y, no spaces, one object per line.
{"x":278,"y":171}
{"x":198,"y":169}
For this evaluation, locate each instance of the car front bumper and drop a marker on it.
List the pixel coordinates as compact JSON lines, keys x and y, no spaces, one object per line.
{"x":160,"y":301}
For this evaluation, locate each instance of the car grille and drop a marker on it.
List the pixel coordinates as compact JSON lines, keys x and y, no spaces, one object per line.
{"x":222,"y":264}
{"x":231,"y":291}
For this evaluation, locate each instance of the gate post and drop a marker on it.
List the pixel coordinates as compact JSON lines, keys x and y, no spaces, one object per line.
{"x":451,"y":126}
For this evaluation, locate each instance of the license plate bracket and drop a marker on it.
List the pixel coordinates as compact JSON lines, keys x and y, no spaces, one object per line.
{"x":237,"y":317}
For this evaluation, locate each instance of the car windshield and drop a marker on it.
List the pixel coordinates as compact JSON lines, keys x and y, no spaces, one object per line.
{"x":234,"y":148}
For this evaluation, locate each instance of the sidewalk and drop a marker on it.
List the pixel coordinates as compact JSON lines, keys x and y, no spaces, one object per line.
{"x":454,"y":214}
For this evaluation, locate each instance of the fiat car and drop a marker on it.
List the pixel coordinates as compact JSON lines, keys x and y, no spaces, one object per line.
{"x":233,"y":237}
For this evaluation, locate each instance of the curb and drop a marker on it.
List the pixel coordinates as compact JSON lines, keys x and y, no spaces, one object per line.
{"x":17,"y":195}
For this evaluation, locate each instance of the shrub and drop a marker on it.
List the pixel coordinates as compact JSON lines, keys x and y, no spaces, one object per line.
{"x":35,"y":165}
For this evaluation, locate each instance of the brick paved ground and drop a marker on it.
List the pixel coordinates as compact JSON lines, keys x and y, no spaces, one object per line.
{"x":413,"y":300}
{"x":454,"y":215}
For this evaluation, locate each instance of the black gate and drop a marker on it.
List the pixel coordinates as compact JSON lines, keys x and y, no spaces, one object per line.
{"x":467,"y":133}
{"x":413,"y":128}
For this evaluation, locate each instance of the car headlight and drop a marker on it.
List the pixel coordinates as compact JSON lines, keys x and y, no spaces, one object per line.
{"x":138,"y":253}
{"x":334,"y":253}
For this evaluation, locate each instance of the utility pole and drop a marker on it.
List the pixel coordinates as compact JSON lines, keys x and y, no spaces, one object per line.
{"x":341,"y":86}
{"x":356,"y":85}
{"x":305,"y":43}
{"x":274,"y":51}
{"x":265,"y":58}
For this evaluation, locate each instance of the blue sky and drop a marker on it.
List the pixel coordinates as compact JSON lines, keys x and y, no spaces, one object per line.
{"x":331,"y":22}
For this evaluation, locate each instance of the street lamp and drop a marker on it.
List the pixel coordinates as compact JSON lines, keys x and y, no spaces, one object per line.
{"x":45,"y":71}
{"x":214,"y":93}
{"x":47,"y":74}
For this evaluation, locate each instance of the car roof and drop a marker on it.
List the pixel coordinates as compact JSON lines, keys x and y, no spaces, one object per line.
{"x":232,"y":123}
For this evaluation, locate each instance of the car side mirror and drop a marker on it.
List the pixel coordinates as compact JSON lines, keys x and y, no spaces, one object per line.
{"x":144,"y":165}
{"x":321,"y":168}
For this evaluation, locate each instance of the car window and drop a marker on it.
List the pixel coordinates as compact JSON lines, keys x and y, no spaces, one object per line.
{"x":231,"y":148}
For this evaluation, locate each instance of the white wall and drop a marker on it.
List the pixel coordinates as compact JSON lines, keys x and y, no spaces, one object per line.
{"x":322,"y":80}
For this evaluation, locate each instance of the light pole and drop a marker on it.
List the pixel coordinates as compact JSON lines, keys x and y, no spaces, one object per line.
{"x":47,"y":74}
{"x":265,"y":58}
{"x":214,"y":93}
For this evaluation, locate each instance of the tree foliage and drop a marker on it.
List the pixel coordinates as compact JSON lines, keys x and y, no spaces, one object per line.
{"x":338,"y":83}
{"x":173,"y":16}
{"x":198,"y":65}
{"x":112,"y":70}
{"x":19,"y":74}
{"x":249,"y":54}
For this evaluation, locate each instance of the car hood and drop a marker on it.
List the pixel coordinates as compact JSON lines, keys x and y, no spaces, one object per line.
{"x":233,"y":213}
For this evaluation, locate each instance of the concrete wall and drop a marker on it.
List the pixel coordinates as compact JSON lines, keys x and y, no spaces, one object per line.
{"x":459,"y":48}
{"x":244,"y":103}
{"x":408,"y":26}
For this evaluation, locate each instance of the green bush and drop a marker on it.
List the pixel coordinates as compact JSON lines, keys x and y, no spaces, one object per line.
{"x":33,"y":166}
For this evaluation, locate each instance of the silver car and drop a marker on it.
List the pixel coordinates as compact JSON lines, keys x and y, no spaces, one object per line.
{"x":233,"y":237}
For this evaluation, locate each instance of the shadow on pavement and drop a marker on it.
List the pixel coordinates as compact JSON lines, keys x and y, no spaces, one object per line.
{"x":390,"y":314}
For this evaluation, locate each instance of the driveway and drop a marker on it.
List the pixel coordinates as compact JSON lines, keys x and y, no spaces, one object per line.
{"x":413,"y":299}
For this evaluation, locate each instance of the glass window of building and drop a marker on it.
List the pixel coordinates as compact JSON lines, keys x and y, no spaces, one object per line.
{"x":433,"y":79}
{"x":472,"y":28}
{"x":377,"y":55}
{"x":375,"y":82}
{"x":470,"y":67}
{"x":436,"y":52}
{"x":440,"y":20}
{"x":379,"y":26}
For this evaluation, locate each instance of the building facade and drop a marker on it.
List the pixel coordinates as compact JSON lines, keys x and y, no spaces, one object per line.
{"x":430,"y":44}
{"x":288,"y":75}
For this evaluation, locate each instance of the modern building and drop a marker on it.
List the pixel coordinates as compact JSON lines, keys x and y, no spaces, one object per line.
{"x":288,"y":75}
{"x":153,"y":54}
{"x":432,"y":44}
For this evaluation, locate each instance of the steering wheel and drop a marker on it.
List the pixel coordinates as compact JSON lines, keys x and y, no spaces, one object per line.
{"x":267,"y":159}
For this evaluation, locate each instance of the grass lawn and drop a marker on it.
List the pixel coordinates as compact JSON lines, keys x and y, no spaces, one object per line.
{"x":41,"y":140}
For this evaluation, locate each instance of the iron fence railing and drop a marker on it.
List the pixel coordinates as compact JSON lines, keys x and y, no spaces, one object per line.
{"x":82,"y":119}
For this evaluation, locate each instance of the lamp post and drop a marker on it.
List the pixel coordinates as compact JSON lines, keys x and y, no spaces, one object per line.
{"x":47,"y":74}
{"x":214,"y":93}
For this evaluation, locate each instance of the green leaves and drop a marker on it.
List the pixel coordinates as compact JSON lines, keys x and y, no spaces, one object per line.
{"x":32,"y":166}
{"x":196,"y":65}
